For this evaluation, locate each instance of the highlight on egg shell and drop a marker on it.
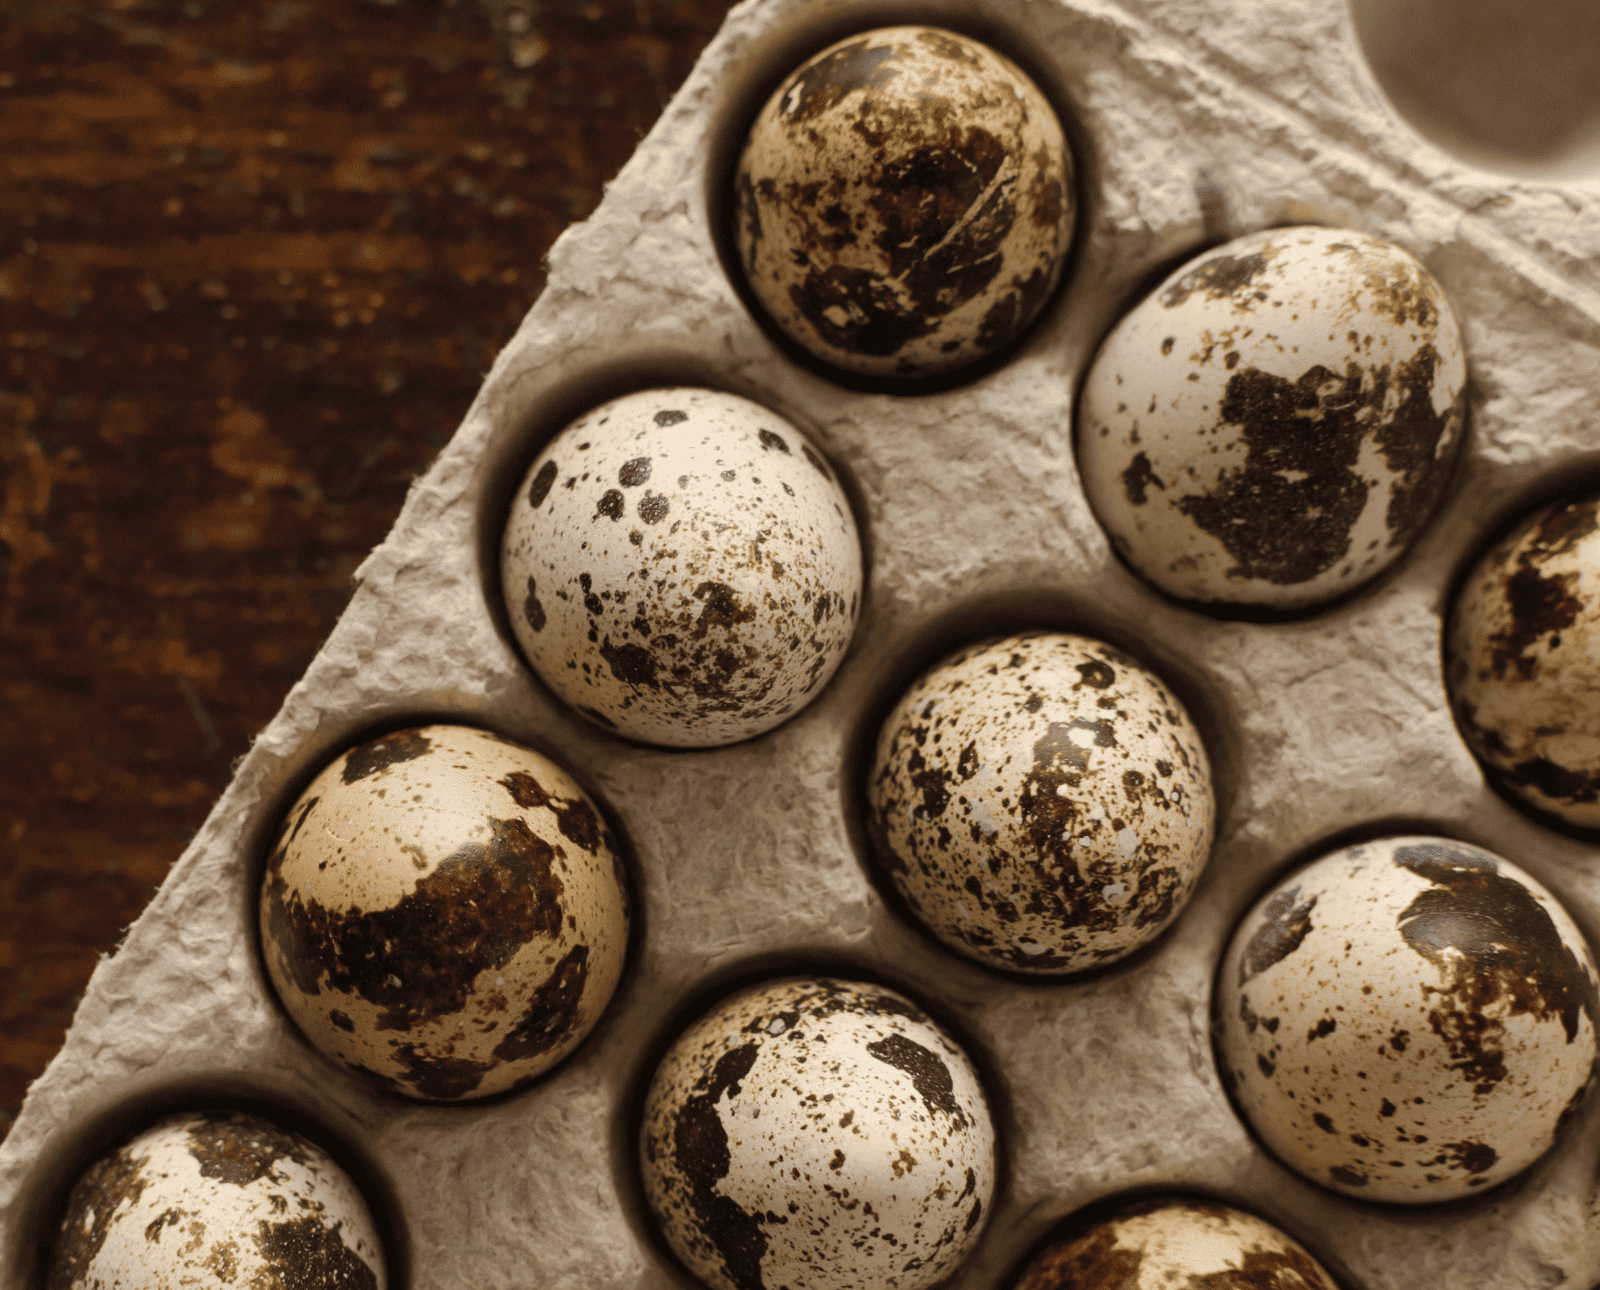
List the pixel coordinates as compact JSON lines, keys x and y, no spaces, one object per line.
{"x":1272,"y":426}
{"x":817,"y":1134}
{"x":904,"y":203}
{"x":682,"y":567}
{"x":1159,"y":1244}
{"x":1407,"y":1020}
{"x":446,"y":912}
{"x":216,"y":1200}
{"x":1042,"y":803}
{"x":1522,"y":661}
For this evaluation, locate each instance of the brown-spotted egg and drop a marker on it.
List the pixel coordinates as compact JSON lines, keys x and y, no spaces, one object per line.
{"x":1522,"y":661}
{"x":1162,"y":1244}
{"x":1042,"y":803}
{"x":905,"y":202}
{"x":216,"y":1200}
{"x":445,"y":911}
{"x":682,"y":567}
{"x":1407,"y":1020}
{"x":1273,"y":424}
{"x":817,"y":1134}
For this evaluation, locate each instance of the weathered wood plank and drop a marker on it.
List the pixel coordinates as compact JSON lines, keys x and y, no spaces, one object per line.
{"x":254,"y":258}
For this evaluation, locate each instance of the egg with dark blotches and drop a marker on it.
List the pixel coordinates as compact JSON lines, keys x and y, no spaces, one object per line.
{"x":1042,"y":803}
{"x":216,"y":1200}
{"x":820,"y":1135}
{"x":445,"y":911}
{"x":904,"y":202}
{"x":1274,"y":423}
{"x":682,"y":567}
{"x":1407,"y":1020}
{"x":1522,"y":661}
{"x":1160,"y":1244}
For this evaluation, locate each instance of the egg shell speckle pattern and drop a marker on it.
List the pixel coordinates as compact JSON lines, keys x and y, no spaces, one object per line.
{"x":811,"y":1133}
{"x":1523,"y":661}
{"x":445,"y":911}
{"x":1191,"y":121}
{"x":216,"y":1200}
{"x":682,"y":567}
{"x":1407,"y":1020}
{"x":1274,"y":423}
{"x":1161,"y":1244}
{"x":1042,"y":803}
{"x":905,"y":202}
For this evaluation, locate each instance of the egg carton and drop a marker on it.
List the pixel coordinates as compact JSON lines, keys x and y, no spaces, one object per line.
{"x":1192,"y":121}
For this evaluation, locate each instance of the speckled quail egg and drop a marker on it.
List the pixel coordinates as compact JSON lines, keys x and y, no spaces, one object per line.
{"x":445,"y":911}
{"x":1162,"y":1244}
{"x":1042,"y":803}
{"x":216,"y":1200}
{"x":817,"y":1134}
{"x":1274,"y":423}
{"x":904,"y":202}
{"x":682,"y":567}
{"x":1523,"y":661}
{"x":1407,"y":1020}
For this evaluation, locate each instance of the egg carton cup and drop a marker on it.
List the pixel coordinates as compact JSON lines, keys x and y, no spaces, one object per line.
{"x":1192,"y":121}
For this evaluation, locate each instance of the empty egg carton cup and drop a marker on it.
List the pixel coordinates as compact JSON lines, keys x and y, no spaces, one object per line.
{"x":1191,"y":122}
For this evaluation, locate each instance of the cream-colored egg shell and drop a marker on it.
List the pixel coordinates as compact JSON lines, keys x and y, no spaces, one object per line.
{"x":1407,"y":1020}
{"x":216,"y":1200}
{"x":905,"y":202}
{"x":1523,"y":661}
{"x":446,"y":911}
{"x":1274,"y":423}
{"x":818,"y":1134}
{"x":1163,"y":1244}
{"x":682,"y":567}
{"x":1042,"y":803}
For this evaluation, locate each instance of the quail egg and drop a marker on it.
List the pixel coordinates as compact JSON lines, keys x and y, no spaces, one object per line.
{"x":1407,"y":1020}
{"x":1042,"y":803}
{"x":1273,"y":424}
{"x":1160,"y":1244}
{"x":445,"y":911}
{"x":682,"y":567}
{"x":904,"y":203}
{"x":216,"y":1200}
{"x":1522,"y":660}
{"x":818,"y":1134}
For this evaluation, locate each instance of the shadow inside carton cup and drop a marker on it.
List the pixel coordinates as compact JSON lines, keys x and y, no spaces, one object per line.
{"x":1497,"y":84}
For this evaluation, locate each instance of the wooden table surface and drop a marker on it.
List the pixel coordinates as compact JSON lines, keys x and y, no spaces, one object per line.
{"x":255,"y":258}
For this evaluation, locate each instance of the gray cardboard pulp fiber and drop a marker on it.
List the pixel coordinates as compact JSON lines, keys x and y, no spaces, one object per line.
{"x":970,"y":498}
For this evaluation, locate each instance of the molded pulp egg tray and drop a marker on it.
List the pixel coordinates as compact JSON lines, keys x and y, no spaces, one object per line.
{"x":1192,"y":121}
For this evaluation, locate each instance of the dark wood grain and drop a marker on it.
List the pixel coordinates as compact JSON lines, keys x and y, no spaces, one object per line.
{"x":255,"y":257}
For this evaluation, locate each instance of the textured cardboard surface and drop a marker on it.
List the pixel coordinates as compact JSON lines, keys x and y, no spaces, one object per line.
{"x":1200,"y":118}
{"x":258,"y":259}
